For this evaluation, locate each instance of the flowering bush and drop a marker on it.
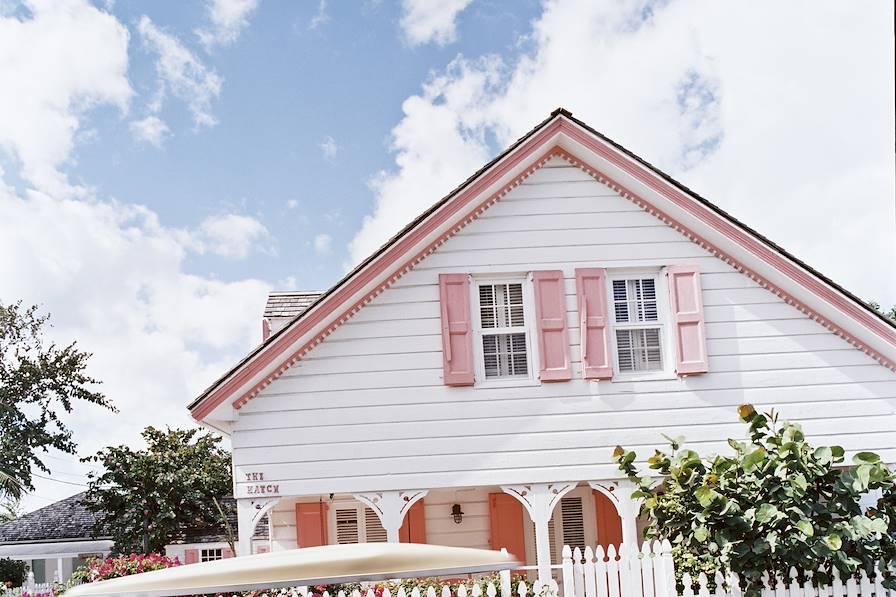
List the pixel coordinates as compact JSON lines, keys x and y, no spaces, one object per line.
{"x":97,"y":569}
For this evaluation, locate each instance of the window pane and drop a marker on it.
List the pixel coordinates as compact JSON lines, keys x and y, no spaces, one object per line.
{"x":635,"y":300}
{"x":501,"y":305}
{"x":505,"y":355}
{"x":639,"y":350}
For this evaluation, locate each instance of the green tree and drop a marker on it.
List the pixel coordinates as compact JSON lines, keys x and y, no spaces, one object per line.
{"x":889,"y":313}
{"x":12,"y":573}
{"x":37,"y":380}
{"x":10,"y":509}
{"x":774,"y":504}
{"x":147,"y":498}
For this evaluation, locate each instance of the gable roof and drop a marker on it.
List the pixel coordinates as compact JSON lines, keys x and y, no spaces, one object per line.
{"x":66,"y":519}
{"x":70,"y":520}
{"x":564,"y":136}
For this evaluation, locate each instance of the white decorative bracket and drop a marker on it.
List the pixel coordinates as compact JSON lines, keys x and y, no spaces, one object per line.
{"x":391,"y":507}
{"x":619,"y":491}
{"x":539,"y":500}
{"x":249,"y":512}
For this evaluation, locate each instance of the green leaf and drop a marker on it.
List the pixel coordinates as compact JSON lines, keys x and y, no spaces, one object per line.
{"x":863,"y":476}
{"x":799,"y":481}
{"x":834,"y":542}
{"x":701,"y":534}
{"x":805,"y":527}
{"x":824,"y":455}
{"x":752,"y":460}
{"x":705,"y":496}
{"x":866,"y":457}
{"x":765,"y":513}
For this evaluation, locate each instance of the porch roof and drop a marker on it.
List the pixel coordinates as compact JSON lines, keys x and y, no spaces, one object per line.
{"x":54,"y":549}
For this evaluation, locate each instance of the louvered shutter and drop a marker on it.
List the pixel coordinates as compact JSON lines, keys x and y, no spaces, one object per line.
{"x":609,"y":524}
{"x":457,"y":329}
{"x":507,"y":525}
{"x":311,"y":524}
{"x":550,"y":316}
{"x":572,"y":519}
{"x":374,"y":531}
{"x":593,"y":324}
{"x":688,"y":329}
{"x":347,"y":525}
{"x":413,"y":529}
{"x":191,"y":556}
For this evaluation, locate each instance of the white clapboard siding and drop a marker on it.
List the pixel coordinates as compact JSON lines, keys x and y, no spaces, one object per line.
{"x":367,"y":408}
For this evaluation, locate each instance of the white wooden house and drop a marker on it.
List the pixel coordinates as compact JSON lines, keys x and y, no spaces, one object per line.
{"x":467,"y":383}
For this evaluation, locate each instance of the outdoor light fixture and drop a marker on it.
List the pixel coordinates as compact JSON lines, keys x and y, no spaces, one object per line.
{"x":456,"y":514}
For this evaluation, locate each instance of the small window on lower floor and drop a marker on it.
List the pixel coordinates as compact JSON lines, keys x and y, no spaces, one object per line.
{"x":209,"y":555}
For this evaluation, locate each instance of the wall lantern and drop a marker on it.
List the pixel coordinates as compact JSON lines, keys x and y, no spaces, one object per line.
{"x":456,"y":514}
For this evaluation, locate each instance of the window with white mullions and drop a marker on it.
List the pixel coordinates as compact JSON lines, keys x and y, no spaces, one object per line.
{"x":637,"y":325}
{"x":210,"y":555}
{"x":502,"y":323}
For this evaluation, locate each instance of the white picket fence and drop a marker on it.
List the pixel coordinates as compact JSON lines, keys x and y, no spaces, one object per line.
{"x":650,"y":572}
{"x":41,"y":589}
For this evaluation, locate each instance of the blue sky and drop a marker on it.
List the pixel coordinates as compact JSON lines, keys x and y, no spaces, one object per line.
{"x":163,"y":166}
{"x":288,"y":86}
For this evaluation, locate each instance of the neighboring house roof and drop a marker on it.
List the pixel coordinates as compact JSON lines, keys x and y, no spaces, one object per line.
{"x":563,"y":136}
{"x":218,"y":532}
{"x":70,"y":520}
{"x":67,"y":519}
{"x":289,"y":304}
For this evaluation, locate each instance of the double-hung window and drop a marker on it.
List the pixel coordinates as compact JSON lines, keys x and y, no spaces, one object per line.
{"x":501,"y":318}
{"x":637,"y":324}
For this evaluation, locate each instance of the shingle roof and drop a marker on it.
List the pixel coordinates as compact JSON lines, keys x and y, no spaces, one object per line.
{"x":217,"y":532}
{"x":69,"y":519}
{"x":290,"y":304}
{"x":65,"y":519}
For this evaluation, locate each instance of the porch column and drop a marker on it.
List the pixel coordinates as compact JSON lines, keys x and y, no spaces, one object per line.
{"x":619,"y":491}
{"x":391,"y":507}
{"x":248,"y":513}
{"x":539,"y":500}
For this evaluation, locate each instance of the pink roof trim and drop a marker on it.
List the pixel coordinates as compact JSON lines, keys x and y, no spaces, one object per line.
{"x":384,"y":267}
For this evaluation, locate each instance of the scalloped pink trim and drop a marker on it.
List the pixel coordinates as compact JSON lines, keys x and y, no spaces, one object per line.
{"x":760,"y":250}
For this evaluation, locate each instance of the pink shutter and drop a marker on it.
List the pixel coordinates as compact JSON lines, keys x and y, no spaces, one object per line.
{"x":550,"y":316}
{"x":457,"y":329}
{"x":687,"y":320}
{"x":591,"y":292}
{"x":191,"y":556}
{"x":311,"y":524}
{"x":226,"y":553}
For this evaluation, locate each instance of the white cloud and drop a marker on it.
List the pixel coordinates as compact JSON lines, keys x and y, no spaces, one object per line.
{"x":58,"y":62}
{"x":793,"y":135}
{"x":227,"y":19}
{"x":431,"y":21}
{"x":231,"y":235}
{"x":180,"y":73}
{"x":292,"y":203}
{"x":329,"y":148}
{"x":323,"y":244}
{"x":151,"y":129}
{"x":320,"y":18}
{"x":111,"y":274}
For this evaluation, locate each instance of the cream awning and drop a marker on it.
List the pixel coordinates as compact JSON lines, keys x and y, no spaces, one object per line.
{"x":308,"y":566}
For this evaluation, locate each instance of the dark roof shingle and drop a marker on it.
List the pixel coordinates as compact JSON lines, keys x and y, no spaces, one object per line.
{"x":65,"y":519}
{"x":289,"y":304}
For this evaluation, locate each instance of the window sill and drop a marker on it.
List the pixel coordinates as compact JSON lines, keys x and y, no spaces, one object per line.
{"x":507,"y":383}
{"x":653,"y":376}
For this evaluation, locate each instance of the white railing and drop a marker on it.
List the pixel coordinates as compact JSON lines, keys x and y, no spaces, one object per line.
{"x":650,"y":572}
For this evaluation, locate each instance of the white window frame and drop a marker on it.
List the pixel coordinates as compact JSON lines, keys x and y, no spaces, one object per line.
{"x":359,"y":513}
{"x":206,"y":555}
{"x":528,"y":328}
{"x":663,"y":320}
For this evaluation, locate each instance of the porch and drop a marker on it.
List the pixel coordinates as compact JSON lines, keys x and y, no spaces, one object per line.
{"x":532,"y":521}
